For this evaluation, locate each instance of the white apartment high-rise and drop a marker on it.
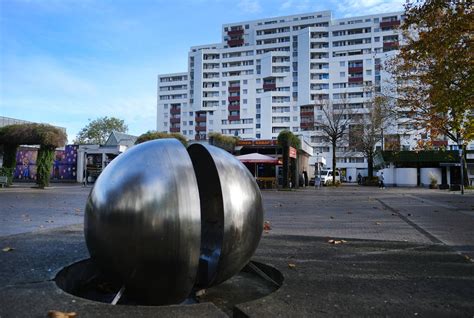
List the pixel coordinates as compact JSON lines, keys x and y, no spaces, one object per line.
{"x":266,"y":76}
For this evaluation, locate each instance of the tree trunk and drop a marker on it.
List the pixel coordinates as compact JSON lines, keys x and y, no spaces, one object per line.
{"x":333,"y":162}
{"x":286,"y":163}
{"x":370,"y":165}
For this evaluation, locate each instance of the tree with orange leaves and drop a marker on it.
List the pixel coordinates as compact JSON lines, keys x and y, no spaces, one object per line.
{"x":434,"y":69}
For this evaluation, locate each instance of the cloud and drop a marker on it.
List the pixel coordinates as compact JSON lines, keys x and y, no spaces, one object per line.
{"x":41,"y":75}
{"x":348,"y":8}
{"x":301,"y":5}
{"x":250,"y":6}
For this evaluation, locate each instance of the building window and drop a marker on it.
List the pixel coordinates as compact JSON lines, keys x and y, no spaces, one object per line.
{"x":342,"y":63}
{"x":245,"y":82}
{"x":342,"y":74}
{"x":244,"y":101}
{"x":368,"y":72}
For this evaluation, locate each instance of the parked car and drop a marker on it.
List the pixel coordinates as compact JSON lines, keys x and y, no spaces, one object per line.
{"x":326,"y":177}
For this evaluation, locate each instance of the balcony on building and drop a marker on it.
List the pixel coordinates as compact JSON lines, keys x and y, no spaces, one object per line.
{"x":390,"y":44}
{"x":200,"y":137}
{"x":200,"y":128}
{"x":233,"y":117}
{"x":308,"y":124}
{"x":307,"y":113}
{"x":174,"y":129}
{"x":235,"y":32}
{"x":235,"y":42}
{"x":356,"y":79}
{"x":200,"y":119}
{"x":356,"y":69}
{"x":234,"y":89}
{"x":234,"y":107}
{"x":175,"y":110}
{"x":175,"y":120}
{"x":388,"y":24}
{"x":233,"y":98}
{"x":269,"y":87}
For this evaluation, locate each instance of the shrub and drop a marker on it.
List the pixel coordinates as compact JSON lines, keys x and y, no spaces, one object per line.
{"x":152,"y":135}
{"x":8,"y":172}
{"x":370,"y":181}
{"x":329,"y":183}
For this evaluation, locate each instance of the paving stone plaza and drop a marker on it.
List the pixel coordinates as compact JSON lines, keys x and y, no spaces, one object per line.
{"x":402,"y":252}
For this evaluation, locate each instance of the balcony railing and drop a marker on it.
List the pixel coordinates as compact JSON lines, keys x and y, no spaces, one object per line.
{"x":238,"y":42}
{"x":200,"y":119}
{"x":233,"y":117}
{"x":175,"y":120}
{"x":269,"y":87}
{"x":391,"y":44}
{"x":234,"y":89}
{"x":233,"y":107}
{"x":235,"y":32}
{"x":307,"y":125}
{"x":356,"y":69}
{"x":200,"y":128}
{"x":174,"y":129}
{"x":387,"y":24}
{"x":233,"y":98}
{"x":175,"y":111}
{"x":307,"y":114}
{"x":356,"y":79}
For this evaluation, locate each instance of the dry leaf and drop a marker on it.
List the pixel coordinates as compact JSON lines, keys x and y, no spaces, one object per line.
{"x":291,"y":265}
{"x":378,"y":223}
{"x":60,"y":314}
{"x":8,"y":249}
{"x":77,"y":210}
{"x":200,"y":293}
{"x":331,"y":217}
{"x":266,"y":226}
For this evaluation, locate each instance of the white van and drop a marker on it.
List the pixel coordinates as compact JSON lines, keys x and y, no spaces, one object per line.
{"x":326,"y":177}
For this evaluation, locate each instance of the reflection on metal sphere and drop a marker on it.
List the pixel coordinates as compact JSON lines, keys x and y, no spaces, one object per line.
{"x":165,"y":219}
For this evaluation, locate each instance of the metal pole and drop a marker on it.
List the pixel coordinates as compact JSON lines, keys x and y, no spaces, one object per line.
{"x":462,"y":168}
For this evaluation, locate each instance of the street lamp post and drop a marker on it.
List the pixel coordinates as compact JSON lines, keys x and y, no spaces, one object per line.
{"x":460,"y":142}
{"x":316,"y":173}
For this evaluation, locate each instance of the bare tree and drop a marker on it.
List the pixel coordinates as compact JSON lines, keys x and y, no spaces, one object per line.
{"x":334,"y":124}
{"x":366,"y":129}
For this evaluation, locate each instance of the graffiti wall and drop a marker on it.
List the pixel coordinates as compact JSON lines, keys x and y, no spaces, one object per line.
{"x":64,"y":165}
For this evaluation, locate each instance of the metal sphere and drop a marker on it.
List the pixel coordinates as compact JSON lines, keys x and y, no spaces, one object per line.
{"x":165,"y":219}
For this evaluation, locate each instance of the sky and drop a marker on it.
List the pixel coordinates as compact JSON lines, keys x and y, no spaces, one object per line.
{"x":66,"y":62}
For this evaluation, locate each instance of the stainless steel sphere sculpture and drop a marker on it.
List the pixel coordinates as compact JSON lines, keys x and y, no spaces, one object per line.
{"x":167,"y":219}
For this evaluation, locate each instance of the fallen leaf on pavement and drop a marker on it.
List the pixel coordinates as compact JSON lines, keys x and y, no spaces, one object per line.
{"x":266,"y":226}
{"x":201,"y":292}
{"x":60,"y":314}
{"x":331,"y":217}
{"x":378,"y":223}
{"x":8,"y":249}
{"x":291,"y":265}
{"x":77,"y":210}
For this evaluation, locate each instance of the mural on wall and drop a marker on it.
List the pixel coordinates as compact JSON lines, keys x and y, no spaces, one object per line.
{"x":64,"y":164}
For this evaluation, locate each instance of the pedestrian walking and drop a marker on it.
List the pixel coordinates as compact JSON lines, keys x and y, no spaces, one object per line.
{"x":381,"y":183}
{"x":359,"y":178}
